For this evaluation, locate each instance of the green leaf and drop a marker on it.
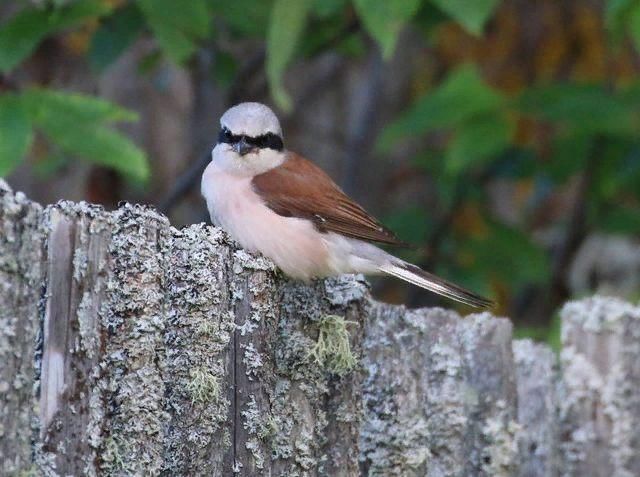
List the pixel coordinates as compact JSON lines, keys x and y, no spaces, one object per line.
{"x":78,"y":125}
{"x":321,"y":33}
{"x":114,"y":36}
{"x":102,"y":146}
{"x":428,"y":18}
{"x":471,"y":14}
{"x":224,"y":68}
{"x":510,"y":255}
{"x":621,"y":17}
{"x":617,"y":172}
{"x":76,"y":13}
{"x":328,"y":8}
{"x":98,"y":144}
{"x":174,"y":43}
{"x":634,"y":24}
{"x":15,"y":133}
{"x":149,"y":62}
{"x":614,"y":9}
{"x":77,"y":107}
{"x":628,"y":171}
{"x":288,"y":19}
{"x":352,"y":46}
{"x":244,"y":18}
{"x":384,"y":20}
{"x":584,"y":109}
{"x":568,"y":156}
{"x":177,"y":26}
{"x":620,"y":220}
{"x":478,"y":140}
{"x":20,"y":36}
{"x":411,"y":224}
{"x":462,"y":95}
{"x":615,"y":13}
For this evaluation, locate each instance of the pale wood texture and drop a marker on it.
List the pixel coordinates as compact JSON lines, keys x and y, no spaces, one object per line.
{"x":600,"y":388}
{"x":128,"y":347}
{"x":539,"y":433}
{"x":131,"y":348}
{"x":440,"y":397}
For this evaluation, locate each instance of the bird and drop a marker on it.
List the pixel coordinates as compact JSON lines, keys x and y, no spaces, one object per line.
{"x":274,"y":201}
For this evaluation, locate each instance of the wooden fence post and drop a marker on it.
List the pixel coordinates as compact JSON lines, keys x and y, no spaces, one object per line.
{"x":128,"y":347}
{"x":539,"y":433}
{"x":600,"y":388}
{"x":21,"y":278}
{"x":156,"y":351}
{"x":440,"y":397}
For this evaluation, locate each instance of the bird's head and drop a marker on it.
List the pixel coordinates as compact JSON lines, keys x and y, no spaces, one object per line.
{"x":250,"y":139}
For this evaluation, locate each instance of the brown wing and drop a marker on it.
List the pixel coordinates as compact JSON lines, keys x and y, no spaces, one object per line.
{"x":298,"y":188}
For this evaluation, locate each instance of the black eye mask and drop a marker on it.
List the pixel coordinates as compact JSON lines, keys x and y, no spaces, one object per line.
{"x":269,"y":140}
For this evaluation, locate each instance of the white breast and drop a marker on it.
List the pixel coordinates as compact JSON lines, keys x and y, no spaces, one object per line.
{"x":293,"y":244}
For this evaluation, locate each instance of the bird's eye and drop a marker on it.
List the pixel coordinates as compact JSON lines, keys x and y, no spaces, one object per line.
{"x":225,"y":136}
{"x":259,"y":142}
{"x":272,"y":141}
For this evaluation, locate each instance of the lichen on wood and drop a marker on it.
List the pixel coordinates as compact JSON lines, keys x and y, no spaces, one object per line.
{"x":440,"y":395}
{"x":539,"y":435}
{"x":332,"y":349}
{"x":128,"y":347}
{"x":162,"y":351}
{"x":21,"y":277}
{"x":600,"y":401}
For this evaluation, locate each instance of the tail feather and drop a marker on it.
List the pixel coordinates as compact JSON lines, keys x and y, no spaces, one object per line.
{"x":417,"y":276}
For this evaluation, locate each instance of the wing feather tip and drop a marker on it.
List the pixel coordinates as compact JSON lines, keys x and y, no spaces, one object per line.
{"x":415,"y":275}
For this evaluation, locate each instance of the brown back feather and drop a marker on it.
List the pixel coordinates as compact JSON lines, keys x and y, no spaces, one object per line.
{"x":298,"y":188}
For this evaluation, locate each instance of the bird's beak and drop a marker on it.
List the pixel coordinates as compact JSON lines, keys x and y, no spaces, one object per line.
{"x":242,"y":147}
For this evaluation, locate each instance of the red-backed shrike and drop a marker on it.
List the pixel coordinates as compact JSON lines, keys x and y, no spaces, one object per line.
{"x":276,"y":202}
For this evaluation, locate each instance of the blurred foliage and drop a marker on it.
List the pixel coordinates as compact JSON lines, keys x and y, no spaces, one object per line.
{"x":541,"y":119}
{"x":549,"y":334}
{"x":77,"y":124}
{"x":288,"y":19}
{"x":384,"y":20}
{"x":20,"y":36}
{"x":179,"y":28}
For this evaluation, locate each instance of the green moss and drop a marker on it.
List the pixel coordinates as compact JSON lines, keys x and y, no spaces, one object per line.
{"x":204,"y":386}
{"x":207,"y":327}
{"x":268,"y":429}
{"x":333,"y":350}
{"x":31,"y":471}
{"x":112,"y":456}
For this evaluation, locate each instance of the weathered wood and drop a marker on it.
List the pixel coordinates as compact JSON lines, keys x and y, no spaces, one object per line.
{"x":600,"y":389}
{"x":440,"y":397}
{"x":539,"y":433}
{"x":200,"y":329}
{"x":128,"y":347}
{"x":21,"y":278}
{"x":72,"y":340}
{"x":164,"y":351}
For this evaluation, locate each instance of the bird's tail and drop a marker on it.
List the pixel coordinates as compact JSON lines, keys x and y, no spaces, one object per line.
{"x":417,"y":276}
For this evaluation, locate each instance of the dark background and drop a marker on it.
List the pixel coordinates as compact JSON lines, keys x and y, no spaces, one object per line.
{"x":500,"y":137}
